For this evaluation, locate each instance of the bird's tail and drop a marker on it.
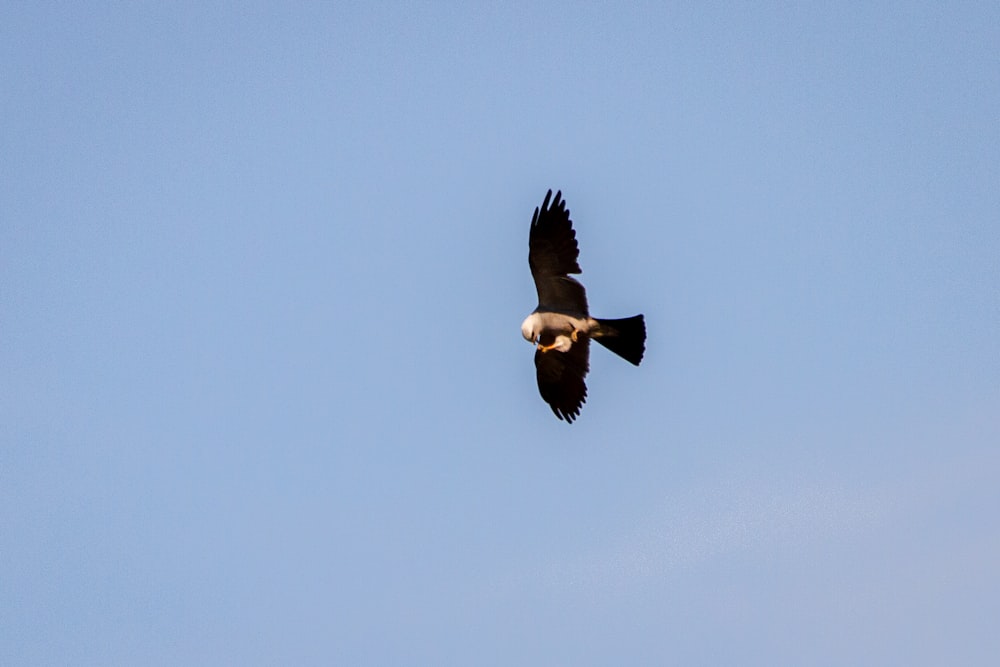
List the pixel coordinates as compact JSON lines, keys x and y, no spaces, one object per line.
{"x":625,"y":337}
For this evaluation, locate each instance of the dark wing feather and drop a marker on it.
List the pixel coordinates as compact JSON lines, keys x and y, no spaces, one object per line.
{"x":560,"y":378}
{"x":552,"y":256}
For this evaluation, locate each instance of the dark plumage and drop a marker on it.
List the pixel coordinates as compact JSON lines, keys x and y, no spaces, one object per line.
{"x":552,"y":255}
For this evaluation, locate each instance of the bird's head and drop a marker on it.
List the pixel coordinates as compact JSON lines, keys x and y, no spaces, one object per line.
{"x":529,"y":330}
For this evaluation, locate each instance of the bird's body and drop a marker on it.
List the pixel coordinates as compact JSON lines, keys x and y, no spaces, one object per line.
{"x":561,"y":326}
{"x":557,"y":331}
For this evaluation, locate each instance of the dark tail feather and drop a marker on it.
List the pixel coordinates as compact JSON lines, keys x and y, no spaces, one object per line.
{"x":626,"y":337}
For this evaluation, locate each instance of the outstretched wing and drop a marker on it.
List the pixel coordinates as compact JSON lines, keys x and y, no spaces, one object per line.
{"x":560,"y":378}
{"x":552,"y":256}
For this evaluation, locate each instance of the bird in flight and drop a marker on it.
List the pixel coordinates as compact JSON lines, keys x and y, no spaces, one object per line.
{"x":561,"y":326}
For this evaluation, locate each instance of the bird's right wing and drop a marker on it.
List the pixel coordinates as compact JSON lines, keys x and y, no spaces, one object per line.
{"x":552,"y":256}
{"x":561,"y":378}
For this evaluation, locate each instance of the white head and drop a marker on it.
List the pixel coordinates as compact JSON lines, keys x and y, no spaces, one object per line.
{"x":530,"y":328}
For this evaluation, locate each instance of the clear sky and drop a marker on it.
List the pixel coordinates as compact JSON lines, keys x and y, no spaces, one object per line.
{"x":263,"y":394}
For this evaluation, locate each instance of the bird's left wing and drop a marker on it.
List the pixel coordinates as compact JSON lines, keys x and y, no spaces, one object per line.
{"x":553,"y":255}
{"x":561,"y":378}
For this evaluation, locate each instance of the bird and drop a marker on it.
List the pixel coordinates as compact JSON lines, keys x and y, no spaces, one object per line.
{"x":561,"y":326}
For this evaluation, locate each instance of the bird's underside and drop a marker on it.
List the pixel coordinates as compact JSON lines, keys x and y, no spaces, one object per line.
{"x":561,"y":326}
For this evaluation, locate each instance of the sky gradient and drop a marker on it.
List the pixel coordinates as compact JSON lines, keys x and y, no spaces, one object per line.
{"x":263,"y":394}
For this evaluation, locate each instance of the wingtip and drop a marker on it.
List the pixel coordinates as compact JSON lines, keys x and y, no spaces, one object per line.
{"x":568,"y":417}
{"x":545,"y":207}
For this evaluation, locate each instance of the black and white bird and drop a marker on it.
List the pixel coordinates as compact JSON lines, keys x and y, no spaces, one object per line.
{"x":561,"y":326}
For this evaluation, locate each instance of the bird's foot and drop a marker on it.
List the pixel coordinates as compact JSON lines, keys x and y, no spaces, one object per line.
{"x":546,"y":348}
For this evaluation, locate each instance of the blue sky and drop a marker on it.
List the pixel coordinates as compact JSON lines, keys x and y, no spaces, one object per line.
{"x":264,"y":398}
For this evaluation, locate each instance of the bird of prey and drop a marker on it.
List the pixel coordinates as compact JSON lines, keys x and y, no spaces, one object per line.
{"x":561,"y":326}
